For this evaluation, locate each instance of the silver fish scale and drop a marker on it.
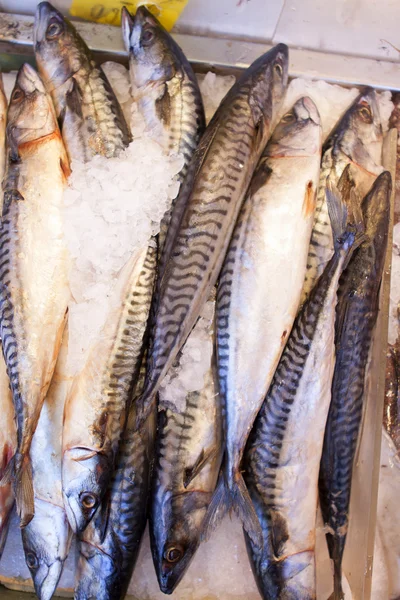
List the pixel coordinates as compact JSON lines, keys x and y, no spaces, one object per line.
{"x":206,"y":226}
{"x":187,"y":126}
{"x":118,"y":380}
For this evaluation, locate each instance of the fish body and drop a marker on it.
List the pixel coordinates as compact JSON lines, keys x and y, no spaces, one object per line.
{"x":212,"y":193}
{"x":188,"y":456}
{"x":107,"y":554}
{"x":91,"y":119}
{"x":355,"y":143}
{"x":98,"y":402}
{"x":3,"y":119}
{"x":357,"y":311}
{"x":281,"y":462}
{"x":34,"y":290}
{"x":391,"y":414}
{"x":46,"y":539}
{"x":263,"y":273}
{"x":8,"y":444}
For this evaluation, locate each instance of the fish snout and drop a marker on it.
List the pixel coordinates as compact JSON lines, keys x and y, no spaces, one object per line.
{"x":46,"y":579}
{"x":43,"y":14}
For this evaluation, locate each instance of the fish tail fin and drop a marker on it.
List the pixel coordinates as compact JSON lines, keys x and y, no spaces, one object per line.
{"x":8,"y":473}
{"x":24,"y":495}
{"x":337,"y":580}
{"x":220,"y":504}
{"x":244,"y":508}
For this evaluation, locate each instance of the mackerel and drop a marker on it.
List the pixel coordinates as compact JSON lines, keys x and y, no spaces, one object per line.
{"x":3,"y":119}
{"x":357,"y":311}
{"x":261,"y":282}
{"x":46,"y":539}
{"x":90,"y":117}
{"x":353,"y":149}
{"x":283,"y":453}
{"x":34,"y":290}
{"x":8,"y":444}
{"x":188,"y":455}
{"x":164,"y":89}
{"x":98,"y":403}
{"x":212,"y":193}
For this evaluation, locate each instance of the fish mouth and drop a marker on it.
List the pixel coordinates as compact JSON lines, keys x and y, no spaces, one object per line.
{"x":311,"y":110}
{"x":44,"y":12}
{"x":142,"y":15}
{"x":29,"y":80}
{"x":47,"y":578}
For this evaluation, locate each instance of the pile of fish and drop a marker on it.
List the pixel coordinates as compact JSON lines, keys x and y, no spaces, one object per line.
{"x":271,"y":255}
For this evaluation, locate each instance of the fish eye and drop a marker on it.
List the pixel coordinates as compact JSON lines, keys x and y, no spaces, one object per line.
{"x":147,"y":36}
{"x":365,"y":113}
{"x":17,"y":95}
{"x":173,"y":554}
{"x":88,"y":500}
{"x":278,"y":69}
{"x":53,"y":30}
{"x":288,"y":118}
{"x":31,"y":560}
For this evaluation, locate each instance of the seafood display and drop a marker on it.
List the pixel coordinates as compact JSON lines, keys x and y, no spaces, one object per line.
{"x":202,"y":346}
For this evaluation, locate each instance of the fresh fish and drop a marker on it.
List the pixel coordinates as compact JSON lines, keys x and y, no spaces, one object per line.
{"x":34,"y":291}
{"x":357,"y":311}
{"x":391,"y":414}
{"x":212,"y":193}
{"x":97,"y":404}
{"x":3,"y":118}
{"x":90,"y":117}
{"x":188,"y":456}
{"x":8,"y":445}
{"x":269,"y":244}
{"x":283,"y":453}
{"x":355,"y":143}
{"x":107,"y":555}
{"x":164,"y":89}
{"x":46,"y":539}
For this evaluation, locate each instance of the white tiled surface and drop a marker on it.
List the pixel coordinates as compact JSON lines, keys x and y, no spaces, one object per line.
{"x":342,"y":26}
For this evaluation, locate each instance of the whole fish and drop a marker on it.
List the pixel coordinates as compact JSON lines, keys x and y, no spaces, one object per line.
{"x":164,"y":89}
{"x":34,"y":291}
{"x":3,"y":119}
{"x":46,"y":539}
{"x":261,"y":282}
{"x":108,"y":553}
{"x":90,"y":117}
{"x":283,"y":453}
{"x":354,"y":148}
{"x":8,"y":445}
{"x":97,"y":405}
{"x":212,"y":193}
{"x":357,"y":311}
{"x":188,"y":456}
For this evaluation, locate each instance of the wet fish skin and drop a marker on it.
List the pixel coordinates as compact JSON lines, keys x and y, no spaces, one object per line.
{"x":99,"y":399}
{"x":282,"y":457}
{"x":47,"y":538}
{"x":108,"y":553}
{"x":391,"y":414}
{"x":187,"y":463}
{"x":218,"y":176}
{"x":8,"y":444}
{"x":34,"y":290}
{"x":356,"y":141}
{"x":269,"y":244}
{"x":357,"y":311}
{"x":91,"y":119}
{"x":3,"y":119}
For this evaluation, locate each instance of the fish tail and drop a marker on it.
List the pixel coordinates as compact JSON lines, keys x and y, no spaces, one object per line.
{"x":244,"y":508}
{"x":220,"y":504}
{"x":8,"y":473}
{"x":337,"y":580}
{"x":24,"y":496}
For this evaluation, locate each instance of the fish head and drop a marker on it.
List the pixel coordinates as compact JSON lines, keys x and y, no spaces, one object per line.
{"x":153,"y":56}
{"x":268,"y":83}
{"x":298,"y":133}
{"x":98,"y":569}
{"x":59,"y":50}
{"x":85,"y":478}
{"x":359,"y":134}
{"x":175,"y":535}
{"x":46,"y":541}
{"x":30,"y":113}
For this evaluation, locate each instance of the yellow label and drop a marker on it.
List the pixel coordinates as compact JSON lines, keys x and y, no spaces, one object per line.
{"x":109,"y":11}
